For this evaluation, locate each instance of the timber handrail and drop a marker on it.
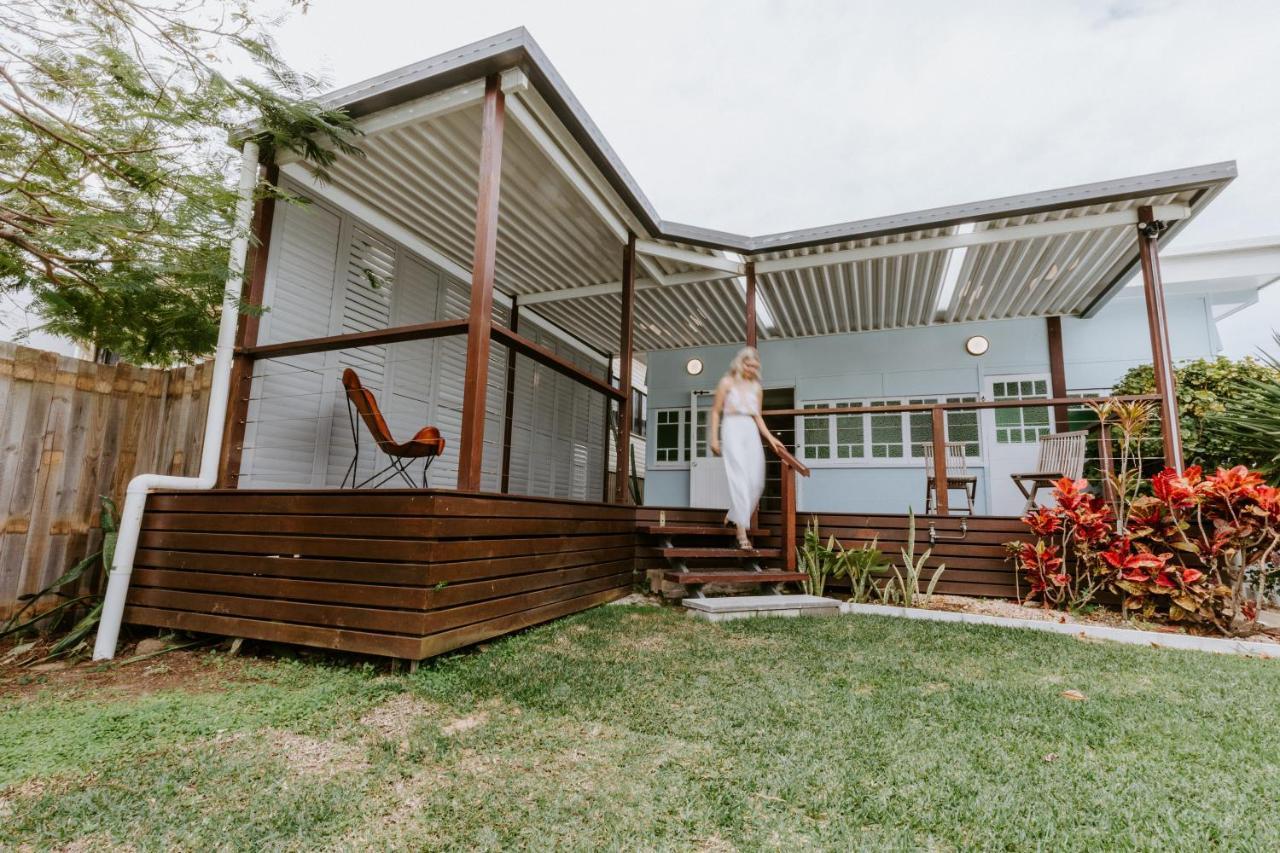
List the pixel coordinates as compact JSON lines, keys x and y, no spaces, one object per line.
{"x":937,"y":412}
{"x":427,"y":331}
{"x":392,"y":335}
{"x":791,"y":466}
{"x":968,"y":406}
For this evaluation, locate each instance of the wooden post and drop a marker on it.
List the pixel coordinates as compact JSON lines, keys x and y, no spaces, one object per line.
{"x":788,"y":496}
{"x":605,"y":493}
{"x":751,"y":304}
{"x":246,"y":336}
{"x":626,"y":352}
{"x":942,"y":498}
{"x":480,"y":318}
{"x":508,"y":410}
{"x":1057,"y":372}
{"x":1157,"y":324}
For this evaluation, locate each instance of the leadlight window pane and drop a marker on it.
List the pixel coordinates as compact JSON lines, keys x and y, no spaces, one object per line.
{"x":850,"y":435}
{"x":886,"y":432}
{"x":963,"y":427}
{"x":921,"y":426}
{"x":817,"y":433}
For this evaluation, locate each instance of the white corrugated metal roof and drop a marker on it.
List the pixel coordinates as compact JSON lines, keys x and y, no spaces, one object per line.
{"x":566,"y":205}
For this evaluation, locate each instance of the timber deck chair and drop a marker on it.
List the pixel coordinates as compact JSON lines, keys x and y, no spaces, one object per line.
{"x":426,"y":444}
{"x":1061,"y":455}
{"x":958,"y":476}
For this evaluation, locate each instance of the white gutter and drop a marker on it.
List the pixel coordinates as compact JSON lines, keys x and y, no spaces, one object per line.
{"x":104,"y":648}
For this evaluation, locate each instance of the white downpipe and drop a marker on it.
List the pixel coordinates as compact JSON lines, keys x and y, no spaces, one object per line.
{"x":104,"y":648}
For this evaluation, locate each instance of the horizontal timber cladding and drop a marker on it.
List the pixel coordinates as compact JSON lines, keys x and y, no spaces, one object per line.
{"x":405,"y":574}
{"x":976,"y":564}
{"x":412,"y":573}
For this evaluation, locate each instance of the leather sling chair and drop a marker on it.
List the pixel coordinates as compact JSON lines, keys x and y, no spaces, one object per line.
{"x":426,"y":443}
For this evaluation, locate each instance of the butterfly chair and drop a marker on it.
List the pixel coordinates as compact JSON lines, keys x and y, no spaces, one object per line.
{"x":958,"y":476}
{"x":1060,"y":455}
{"x":426,"y":444}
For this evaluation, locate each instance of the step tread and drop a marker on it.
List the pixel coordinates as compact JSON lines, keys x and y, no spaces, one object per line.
{"x":690,"y":552}
{"x":733,"y":577}
{"x":695,"y":530}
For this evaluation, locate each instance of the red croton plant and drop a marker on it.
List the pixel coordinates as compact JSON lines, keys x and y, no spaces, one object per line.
{"x":1196,"y":548}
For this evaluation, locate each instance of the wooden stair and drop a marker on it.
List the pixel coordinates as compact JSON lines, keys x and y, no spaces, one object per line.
{"x":711,"y":542}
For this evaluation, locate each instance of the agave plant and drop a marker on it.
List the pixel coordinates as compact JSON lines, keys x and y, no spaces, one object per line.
{"x":903,"y":586}
{"x":1253,"y":422}
{"x":819,"y":562}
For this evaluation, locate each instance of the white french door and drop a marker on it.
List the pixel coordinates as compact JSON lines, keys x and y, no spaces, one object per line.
{"x":708,"y":486}
{"x":1012,"y":436}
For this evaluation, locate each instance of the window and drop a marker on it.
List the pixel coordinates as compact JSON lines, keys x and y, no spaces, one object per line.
{"x":673,"y":435}
{"x":639,"y":412}
{"x":1021,"y":426}
{"x":834,"y":436}
{"x":886,"y":432}
{"x":891,"y":435}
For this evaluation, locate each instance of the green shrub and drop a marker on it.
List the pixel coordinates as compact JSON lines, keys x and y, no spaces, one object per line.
{"x":1206,"y":390}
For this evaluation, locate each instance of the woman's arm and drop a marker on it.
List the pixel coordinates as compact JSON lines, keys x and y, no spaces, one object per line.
{"x":716,"y":408}
{"x":769,"y":437}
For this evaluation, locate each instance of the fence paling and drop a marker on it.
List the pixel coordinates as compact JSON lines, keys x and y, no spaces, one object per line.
{"x":73,"y":430}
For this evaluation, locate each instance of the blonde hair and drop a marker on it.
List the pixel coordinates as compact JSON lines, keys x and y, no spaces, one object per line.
{"x":735,"y":366}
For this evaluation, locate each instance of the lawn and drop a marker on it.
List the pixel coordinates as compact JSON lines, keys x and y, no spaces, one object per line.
{"x":634,"y":727}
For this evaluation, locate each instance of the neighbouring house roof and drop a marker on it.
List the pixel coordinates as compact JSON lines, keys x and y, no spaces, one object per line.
{"x":567,"y":203}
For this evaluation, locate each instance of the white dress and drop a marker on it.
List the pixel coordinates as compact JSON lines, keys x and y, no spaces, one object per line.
{"x":740,"y":444}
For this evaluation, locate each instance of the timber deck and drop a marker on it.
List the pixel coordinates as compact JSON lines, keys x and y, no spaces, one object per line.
{"x":411,"y":574}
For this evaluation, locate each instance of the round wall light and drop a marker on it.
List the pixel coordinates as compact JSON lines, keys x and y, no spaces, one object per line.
{"x":977,"y":345}
{"x":693,"y":366}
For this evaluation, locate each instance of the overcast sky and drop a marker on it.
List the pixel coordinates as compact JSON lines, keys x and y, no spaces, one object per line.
{"x":757,"y":117}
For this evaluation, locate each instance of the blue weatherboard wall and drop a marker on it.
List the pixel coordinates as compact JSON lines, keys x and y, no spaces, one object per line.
{"x":916,"y":362}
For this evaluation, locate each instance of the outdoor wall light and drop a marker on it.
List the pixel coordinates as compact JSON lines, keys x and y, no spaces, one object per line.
{"x":693,"y":366}
{"x":977,"y":345}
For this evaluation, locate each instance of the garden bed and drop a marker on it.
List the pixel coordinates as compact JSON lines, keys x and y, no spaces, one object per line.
{"x":1100,"y":624}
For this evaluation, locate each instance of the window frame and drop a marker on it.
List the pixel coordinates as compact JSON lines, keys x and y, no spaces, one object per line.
{"x":867,"y":460}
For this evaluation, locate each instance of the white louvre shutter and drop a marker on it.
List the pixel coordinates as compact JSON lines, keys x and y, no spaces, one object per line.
{"x":368,"y":279}
{"x":283,"y":429}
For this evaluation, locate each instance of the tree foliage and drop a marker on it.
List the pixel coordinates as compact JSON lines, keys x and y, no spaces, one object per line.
{"x":116,"y":180}
{"x":1206,"y":388}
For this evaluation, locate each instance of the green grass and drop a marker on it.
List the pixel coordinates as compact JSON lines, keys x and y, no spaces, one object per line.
{"x":635,"y":727}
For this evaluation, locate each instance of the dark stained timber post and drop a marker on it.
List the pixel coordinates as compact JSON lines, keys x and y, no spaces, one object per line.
{"x":605,"y":494}
{"x":480,"y":318}
{"x":1157,"y":324}
{"x":1057,"y":371}
{"x":788,"y":516}
{"x":941,"y":494}
{"x":508,"y":409}
{"x":751,"y":304}
{"x":247,"y":336}
{"x":626,"y":352}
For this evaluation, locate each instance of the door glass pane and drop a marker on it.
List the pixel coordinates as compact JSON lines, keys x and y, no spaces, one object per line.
{"x":1021,"y":426}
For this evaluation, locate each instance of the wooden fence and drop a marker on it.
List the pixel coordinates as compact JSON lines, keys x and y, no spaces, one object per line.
{"x":71,"y":430}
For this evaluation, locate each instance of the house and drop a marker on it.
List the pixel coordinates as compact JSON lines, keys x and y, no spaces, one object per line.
{"x":873,"y":462}
{"x":480,"y":269}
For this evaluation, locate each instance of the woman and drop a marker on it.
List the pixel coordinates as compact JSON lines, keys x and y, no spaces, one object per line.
{"x":738,"y":401}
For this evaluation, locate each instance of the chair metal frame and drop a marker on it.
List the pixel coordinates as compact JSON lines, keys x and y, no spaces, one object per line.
{"x":399,"y":462}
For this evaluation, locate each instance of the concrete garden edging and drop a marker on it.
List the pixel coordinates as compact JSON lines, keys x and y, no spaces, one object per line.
{"x":1132,"y":636}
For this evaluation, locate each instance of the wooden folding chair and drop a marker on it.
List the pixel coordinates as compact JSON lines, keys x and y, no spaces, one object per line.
{"x":958,"y":476}
{"x":426,"y":444}
{"x":1060,"y":455}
